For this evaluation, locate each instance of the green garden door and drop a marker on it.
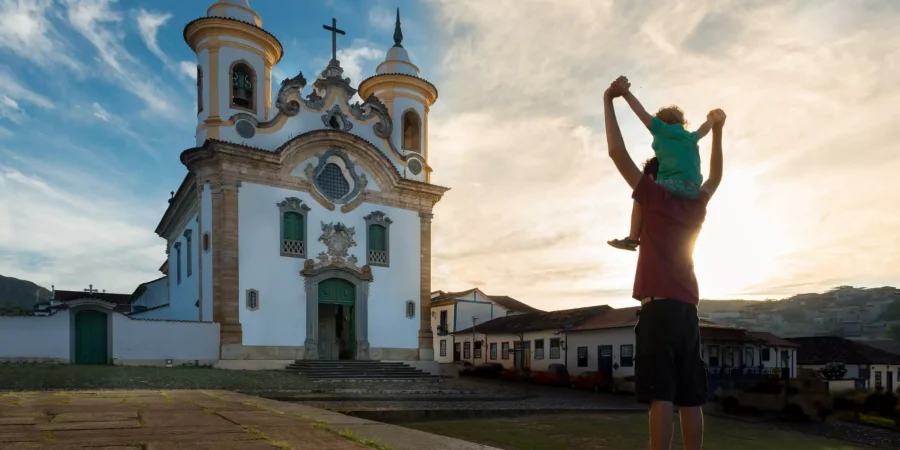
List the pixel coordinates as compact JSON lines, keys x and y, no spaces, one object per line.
{"x":90,"y":338}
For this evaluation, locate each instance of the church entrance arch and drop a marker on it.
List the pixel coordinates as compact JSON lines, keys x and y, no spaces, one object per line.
{"x":337,"y":319}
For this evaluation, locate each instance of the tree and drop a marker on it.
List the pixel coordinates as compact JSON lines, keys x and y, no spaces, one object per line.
{"x":894,"y":332}
{"x":892,"y":312}
{"x":833,"y":371}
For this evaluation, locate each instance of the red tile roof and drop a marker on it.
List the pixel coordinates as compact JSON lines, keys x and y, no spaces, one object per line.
{"x":512,"y":304}
{"x":772,"y":340}
{"x":825,"y":349}
{"x":564,"y":319}
{"x":122,"y":301}
{"x":613,"y":318}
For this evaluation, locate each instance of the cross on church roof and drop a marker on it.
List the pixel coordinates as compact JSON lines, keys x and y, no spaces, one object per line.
{"x":334,"y":32}
{"x":90,"y":289}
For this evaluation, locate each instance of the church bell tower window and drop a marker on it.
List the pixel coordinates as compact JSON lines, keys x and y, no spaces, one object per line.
{"x":293,"y":227}
{"x":243,"y":86}
{"x":412,"y":131}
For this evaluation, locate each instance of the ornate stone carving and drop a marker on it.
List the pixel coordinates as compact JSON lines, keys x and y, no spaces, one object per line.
{"x":338,"y":239}
{"x":340,"y":119}
{"x":290,"y":86}
{"x":378,"y":216}
{"x":333,"y":77}
{"x":314,"y":101}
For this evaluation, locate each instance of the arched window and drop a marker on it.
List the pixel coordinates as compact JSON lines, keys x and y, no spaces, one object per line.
{"x":412,"y":131}
{"x":293,"y":227}
{"x":243,"y":86}
{"x":252,"y":299}
{"x":199,"y":89}
{"x":178,"y":262}
{"x":378,"y":239}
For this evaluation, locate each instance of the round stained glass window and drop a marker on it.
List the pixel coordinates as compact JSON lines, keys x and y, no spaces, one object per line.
{"x":332,"y":182}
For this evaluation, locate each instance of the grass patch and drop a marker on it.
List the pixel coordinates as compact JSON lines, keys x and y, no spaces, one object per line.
{"x":347,"y":434}
{"x":866,"y":419}
{"x":618,"y":432}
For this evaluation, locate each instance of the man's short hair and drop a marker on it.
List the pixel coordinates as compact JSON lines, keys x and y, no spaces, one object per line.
{"x":651,"y":167}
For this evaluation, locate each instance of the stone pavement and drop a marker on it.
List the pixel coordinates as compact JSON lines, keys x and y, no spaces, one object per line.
{"x":182,"y":419}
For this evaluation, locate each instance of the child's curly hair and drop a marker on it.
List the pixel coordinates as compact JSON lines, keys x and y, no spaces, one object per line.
{"x":671,"y":115}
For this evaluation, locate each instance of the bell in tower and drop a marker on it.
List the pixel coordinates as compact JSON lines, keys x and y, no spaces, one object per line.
{"x":242,"y":86}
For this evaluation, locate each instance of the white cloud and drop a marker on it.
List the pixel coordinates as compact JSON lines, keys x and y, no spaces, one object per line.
{"x":382,"y":18}
{"x":356,"y":56}
{"x":26,"y":31}
{"x":9,"y":109}
{"x":97,"y":22}
{"x":189,"y":69}
{"x":148,"y":25}
{"x":5,"y":132}
{"x":12,"y":89}
{"x":102,"y":240}
{"x":100,"y":112}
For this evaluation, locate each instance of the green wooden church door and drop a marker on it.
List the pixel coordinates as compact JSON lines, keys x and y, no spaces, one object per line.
{"x":336,"y":291}
{"x":90,"y":338}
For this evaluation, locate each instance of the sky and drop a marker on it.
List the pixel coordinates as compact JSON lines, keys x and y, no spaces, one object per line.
{"x":97,"y":100}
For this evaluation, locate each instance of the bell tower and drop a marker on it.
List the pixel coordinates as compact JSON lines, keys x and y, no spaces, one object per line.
{"x":235,"y":56}
{"x":407,"y":97}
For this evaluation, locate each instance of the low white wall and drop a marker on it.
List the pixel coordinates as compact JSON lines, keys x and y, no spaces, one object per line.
{"x":35,"y":338}
{"x":152,"y":342}
{"x":840,"y":386}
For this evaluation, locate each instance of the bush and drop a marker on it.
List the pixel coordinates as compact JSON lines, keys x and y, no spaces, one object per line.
{"x":881,"y":403}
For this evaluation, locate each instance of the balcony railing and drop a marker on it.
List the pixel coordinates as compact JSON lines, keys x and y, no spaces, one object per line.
{"x":743,"y":372}
{"x":442,"y":329}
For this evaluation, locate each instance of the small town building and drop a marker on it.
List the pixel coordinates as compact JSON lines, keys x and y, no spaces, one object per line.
{"x":452,"y":311}
{"x":870,"y":367}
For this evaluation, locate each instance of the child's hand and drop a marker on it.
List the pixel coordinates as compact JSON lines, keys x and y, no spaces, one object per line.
{"x":717,"y":117}
{"x":618,"y":88}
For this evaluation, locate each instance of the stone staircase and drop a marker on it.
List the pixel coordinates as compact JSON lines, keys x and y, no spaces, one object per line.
{"x":358,"y":370}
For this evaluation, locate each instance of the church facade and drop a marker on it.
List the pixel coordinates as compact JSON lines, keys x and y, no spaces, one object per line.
{"x":303,"y":227}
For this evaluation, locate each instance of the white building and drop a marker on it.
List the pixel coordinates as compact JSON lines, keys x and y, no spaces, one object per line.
{"x":871,"y":367}
{"x":452,"y":311}
{"x":303,"y":228}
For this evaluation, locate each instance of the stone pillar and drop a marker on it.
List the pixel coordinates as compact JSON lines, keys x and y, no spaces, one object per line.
{"x":311,"y":343}
{"x":426,"y":338}
{"x":226,"y":290}
{"x":361,"y":311}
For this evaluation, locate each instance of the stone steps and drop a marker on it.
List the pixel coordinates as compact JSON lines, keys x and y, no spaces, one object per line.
{"x":357,"y":370}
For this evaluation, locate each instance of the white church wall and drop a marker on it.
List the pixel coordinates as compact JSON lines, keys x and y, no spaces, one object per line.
{"x":156,"y":293}
{"x":207,"y":265}
{"x":160,"y":313}
{"x":280,"y":319}
{"x":152,"y":342}
{"x":35,"y":339}
{"x":183,"y":293}
{"x":203,"y":62}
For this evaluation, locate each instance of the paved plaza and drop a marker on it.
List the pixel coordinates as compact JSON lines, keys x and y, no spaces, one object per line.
{"x":192,"y":419}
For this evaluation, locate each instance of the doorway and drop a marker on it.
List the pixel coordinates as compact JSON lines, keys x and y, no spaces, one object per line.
{"x":456,"y":356}
{"x":605,"y":361}
{"x":91,"y":337}
{"x":337,"y":321}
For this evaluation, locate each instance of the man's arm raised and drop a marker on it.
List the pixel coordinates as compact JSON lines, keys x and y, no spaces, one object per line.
{"x":717,"y":117}
{"x":617,"y":151}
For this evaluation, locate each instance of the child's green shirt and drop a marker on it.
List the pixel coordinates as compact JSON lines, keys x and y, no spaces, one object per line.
{"x":677,"y":151}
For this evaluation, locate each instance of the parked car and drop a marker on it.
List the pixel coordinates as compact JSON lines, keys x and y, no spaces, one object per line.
{"x":515,"y":375}
{"x":556,"y":375}
{"x":794,"y":399}
{"x":595,"y":381}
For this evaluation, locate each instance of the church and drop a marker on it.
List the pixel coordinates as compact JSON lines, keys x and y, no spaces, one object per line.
{"x":303,"y":227}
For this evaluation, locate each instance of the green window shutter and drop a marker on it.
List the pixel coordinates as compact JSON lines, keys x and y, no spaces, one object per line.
{"x":377,"y":237}
{"x":293,"y":226}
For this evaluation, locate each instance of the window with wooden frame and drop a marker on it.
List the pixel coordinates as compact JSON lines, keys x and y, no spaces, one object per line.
{"x":292,"y":214}
{"x":199,"y":89}
{"x":582,"y":356}
{"x":467,"y":350}
{"x":378,"y":227}
{"x":190,"y":258}
{"x":626,"y":356}
{"x":505,"y":350}
{"x":478,"y":350}
{"x":178,"y":263}
{"x":538,"y":349}
{"x":555,"y":348}
{"x":443,"y":347}
{"x":494,"y":351}
{"x":206,"y":242}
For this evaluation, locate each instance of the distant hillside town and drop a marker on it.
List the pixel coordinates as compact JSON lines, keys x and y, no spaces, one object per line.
{"x":865,"y":314}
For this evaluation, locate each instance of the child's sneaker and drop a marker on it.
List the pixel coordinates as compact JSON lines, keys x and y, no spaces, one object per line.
{"x":625,"y":244}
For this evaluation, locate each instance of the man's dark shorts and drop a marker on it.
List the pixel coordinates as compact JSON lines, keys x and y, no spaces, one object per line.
{"x":668,"y":363}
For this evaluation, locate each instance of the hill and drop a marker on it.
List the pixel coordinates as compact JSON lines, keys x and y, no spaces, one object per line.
{"x":16,"y":293}
{"x":837,"y":297}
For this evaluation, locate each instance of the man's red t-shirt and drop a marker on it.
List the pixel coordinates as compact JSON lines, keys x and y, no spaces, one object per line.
{"x":665,"y":267}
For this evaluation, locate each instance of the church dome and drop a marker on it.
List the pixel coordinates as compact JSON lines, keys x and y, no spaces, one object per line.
{"x":234,"y":9}
{"x":397,"y":59}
